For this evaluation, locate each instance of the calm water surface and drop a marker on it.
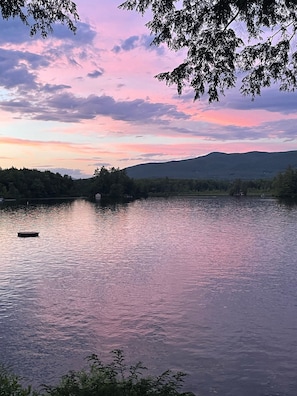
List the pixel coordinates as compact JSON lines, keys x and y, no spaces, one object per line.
{"x":203,"y":285}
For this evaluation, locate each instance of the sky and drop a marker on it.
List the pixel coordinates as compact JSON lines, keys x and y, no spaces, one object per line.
{"x":74,"y":103}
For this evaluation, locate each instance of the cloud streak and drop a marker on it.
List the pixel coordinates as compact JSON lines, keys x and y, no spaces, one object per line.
{"x":65,"y":107}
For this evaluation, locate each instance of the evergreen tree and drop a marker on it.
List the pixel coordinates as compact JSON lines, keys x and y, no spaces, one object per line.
{"x":285,"y":184}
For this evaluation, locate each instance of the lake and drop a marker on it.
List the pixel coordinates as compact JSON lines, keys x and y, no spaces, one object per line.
{"x":205,"y":285}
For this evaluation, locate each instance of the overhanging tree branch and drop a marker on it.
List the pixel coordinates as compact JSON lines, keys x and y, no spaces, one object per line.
{"x":224,"y":39}
{"x":41,"y":15}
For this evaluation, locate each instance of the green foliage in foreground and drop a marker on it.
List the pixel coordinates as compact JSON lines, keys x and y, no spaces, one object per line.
{"x":11,"y":386}
{"x":113,"y":379}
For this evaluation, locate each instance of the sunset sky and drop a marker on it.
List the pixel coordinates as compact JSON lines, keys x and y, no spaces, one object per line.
{"x":72,"y":103}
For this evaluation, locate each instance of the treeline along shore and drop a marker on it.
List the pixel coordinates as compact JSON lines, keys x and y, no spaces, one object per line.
{"x":25,"y":184}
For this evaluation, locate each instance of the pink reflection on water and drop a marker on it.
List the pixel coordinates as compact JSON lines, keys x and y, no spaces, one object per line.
{"x":182,"y":283}
{"x":120,"y":274}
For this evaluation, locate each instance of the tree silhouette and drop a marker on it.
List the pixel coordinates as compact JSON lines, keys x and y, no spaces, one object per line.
{"x":41,"y":15}
{"x":253,"y":40}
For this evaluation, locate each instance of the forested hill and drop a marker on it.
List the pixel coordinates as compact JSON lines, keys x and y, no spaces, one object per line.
{"x":219,"y":166}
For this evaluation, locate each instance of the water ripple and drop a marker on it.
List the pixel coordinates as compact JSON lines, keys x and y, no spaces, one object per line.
{"x":203,"y":285}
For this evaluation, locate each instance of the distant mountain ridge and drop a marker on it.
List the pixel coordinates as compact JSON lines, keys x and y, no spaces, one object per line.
{"x":219,"y":166}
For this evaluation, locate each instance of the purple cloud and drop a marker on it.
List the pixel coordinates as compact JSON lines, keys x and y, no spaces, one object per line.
{"x":66,"y":107}
{"x":134,"y":42}
{"x":14,"y":31}
{"x":96,"y":73}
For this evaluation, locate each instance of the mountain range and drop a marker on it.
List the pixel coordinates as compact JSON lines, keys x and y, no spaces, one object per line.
{"x":219,"y":166}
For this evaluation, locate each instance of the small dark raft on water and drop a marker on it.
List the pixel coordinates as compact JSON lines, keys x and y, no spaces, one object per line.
{"x":28,"y":234}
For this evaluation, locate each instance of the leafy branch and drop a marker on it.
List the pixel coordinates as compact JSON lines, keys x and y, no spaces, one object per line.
{"x":215,"y":36}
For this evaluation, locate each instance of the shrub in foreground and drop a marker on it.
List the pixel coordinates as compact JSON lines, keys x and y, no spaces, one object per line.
{"x":11,"y":386}
{"x":113,"y":379}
